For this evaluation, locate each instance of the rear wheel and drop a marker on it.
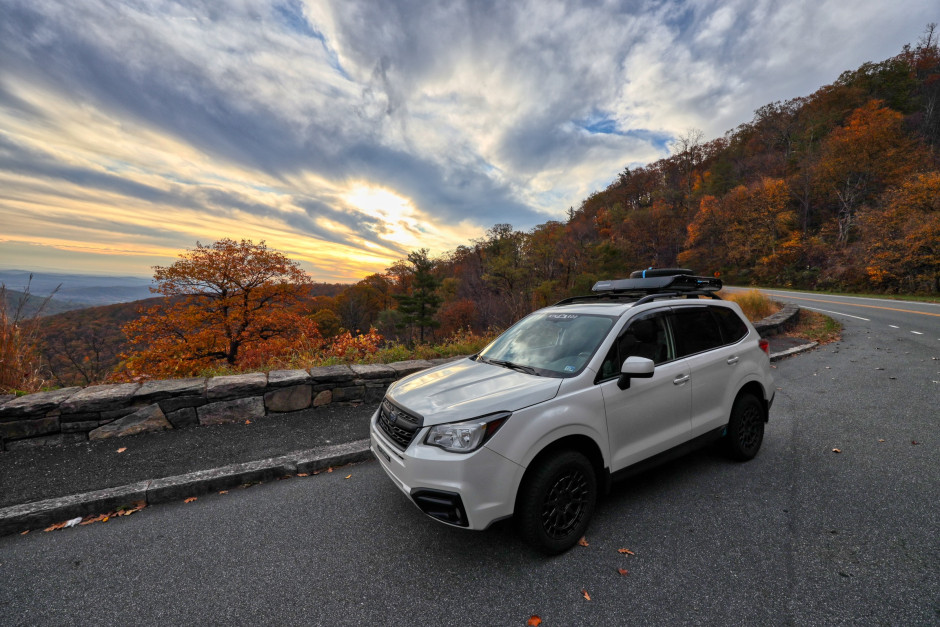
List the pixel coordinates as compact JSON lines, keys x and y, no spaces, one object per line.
{"x":557,"y":501}
{"x":745,"y":428}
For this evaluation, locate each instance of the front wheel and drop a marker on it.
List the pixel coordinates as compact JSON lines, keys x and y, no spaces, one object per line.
{"x":745,"y":428}
{"x":556,"y":502}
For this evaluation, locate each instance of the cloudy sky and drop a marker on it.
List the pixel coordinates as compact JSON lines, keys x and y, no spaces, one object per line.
{"x":348,"y":133}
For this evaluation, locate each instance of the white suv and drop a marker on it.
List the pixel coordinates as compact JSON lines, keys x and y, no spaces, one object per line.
{"x":572,"y":396}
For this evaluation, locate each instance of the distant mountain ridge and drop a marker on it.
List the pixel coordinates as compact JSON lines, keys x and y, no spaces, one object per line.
{"x":75,"y":291}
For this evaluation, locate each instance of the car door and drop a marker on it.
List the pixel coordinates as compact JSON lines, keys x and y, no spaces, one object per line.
{"x":700,"y":344}
{"x":653,"y":414}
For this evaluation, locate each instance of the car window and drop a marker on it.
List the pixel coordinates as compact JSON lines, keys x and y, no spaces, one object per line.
{"x":695,"y":330}
{"x":645,"y":336}
{"x":732,"y":327}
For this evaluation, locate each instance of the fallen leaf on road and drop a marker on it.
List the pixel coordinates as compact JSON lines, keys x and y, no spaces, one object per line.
{"x":534,"y":621}
{"x":93,"y":519}
{"x":881,"y":439}
{"x":347,"y":476}
{"x":190,"y":499}
{"x":330,"y":469}
{"x":587,"y":596}
{"x":836,"y":450}
{"x":626,"y":551}
{"x":223,"y":491}
{"x":583,"y":541}
{"x":623,"y":571}
{"x":247,"y":422}
{"x":915,"y":442}
{"x":23,"y":533}
{"x":122,"y":449}
{"x":55,"y":526}
{"x":302,"y":474}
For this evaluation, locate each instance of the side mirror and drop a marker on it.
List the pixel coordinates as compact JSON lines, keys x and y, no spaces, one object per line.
{"x":635,"y":368}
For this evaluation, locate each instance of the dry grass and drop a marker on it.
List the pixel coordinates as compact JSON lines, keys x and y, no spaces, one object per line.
{"x":816,"y":327}
{"x":755,"y":304}
{"x":20,"y":365}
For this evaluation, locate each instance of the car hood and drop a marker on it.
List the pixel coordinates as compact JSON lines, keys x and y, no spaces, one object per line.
{"x":466,"y":389}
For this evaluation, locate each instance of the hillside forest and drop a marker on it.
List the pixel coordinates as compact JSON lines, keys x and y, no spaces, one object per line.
{"x":838,"y":190}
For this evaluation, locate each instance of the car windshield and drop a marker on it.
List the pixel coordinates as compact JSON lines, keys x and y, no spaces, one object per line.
{"x":549,"y":344}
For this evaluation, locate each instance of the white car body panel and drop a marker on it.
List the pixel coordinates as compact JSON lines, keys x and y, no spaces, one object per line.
{"x":652,"y":416}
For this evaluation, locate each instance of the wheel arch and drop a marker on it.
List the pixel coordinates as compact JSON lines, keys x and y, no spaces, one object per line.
{"x":575,"y":442}
{"x":755,"y":389}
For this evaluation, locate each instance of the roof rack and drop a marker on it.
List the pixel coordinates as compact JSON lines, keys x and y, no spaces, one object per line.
{"x":652,"y":288}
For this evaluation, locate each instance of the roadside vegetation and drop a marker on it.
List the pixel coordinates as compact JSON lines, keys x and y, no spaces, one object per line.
{"x":755,"y":304}
{"x":20,"y":362}
{"x":816,"y":327}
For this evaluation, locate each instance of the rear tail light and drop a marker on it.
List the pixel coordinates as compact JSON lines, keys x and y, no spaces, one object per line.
{"x":764,"y":345}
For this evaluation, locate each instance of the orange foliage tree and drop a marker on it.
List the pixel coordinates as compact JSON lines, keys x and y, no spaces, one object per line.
{"x":751,"y":227}
{"x":902,"y":238}
{"x":864,"y":157}
{"x":231,"y":303}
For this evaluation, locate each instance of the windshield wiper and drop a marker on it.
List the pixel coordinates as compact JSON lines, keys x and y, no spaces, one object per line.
{"x":512,"y":366}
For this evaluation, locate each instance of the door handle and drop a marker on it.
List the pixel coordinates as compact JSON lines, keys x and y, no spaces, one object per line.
{"x":681,"y":379}
{"x":733,"y":360}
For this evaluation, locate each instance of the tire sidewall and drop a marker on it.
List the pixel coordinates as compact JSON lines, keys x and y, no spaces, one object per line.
{"x":536,"y":489}
{"x":739,"y":415}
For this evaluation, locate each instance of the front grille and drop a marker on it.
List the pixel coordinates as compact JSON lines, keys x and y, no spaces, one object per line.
{"x":400,"y":426}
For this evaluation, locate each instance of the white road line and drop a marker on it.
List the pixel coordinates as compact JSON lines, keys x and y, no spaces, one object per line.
{"x":876,"y":300}
{"x":838,"y":313}
{"x":916,"y":332}
{"x":894,"y":326}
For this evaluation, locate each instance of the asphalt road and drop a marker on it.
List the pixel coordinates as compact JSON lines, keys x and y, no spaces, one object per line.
{"x":800,"y":535}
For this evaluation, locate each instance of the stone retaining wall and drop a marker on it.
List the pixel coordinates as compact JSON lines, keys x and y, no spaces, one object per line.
{"x":780,"y":322}
{"x":78,"y":414}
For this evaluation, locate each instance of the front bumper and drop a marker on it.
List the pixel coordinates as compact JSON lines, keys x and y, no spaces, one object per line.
{"x":465,"y":490}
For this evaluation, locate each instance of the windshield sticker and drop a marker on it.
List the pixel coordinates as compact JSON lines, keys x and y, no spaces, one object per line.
{"x":562,"y":316}
{"x":570,"y":368}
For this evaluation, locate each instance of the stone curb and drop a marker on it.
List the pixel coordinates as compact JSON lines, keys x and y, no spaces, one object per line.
{"x":19,"y":518}
{"x":793,"y":351}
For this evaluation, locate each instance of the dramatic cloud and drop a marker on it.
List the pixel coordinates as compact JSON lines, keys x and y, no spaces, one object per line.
{"x":348,"y":133}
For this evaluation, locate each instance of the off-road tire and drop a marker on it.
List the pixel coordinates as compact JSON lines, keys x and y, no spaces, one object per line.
{"x":556,"y":502}
{"x":745,"y":428}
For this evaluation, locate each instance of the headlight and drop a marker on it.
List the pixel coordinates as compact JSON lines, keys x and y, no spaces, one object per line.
{"x":467,"y":436}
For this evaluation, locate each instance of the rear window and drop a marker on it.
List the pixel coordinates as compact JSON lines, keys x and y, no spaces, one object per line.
{"x":732,"y":327}
{"x":695,"y":330}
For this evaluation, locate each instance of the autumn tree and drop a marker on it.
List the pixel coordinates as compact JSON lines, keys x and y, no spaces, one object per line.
{"x":864,"y":157}
{"x":236,"y":303}
{"x":902,"y":238}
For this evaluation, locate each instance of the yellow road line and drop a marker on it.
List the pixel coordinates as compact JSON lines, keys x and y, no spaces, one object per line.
{"x":839,"y":302}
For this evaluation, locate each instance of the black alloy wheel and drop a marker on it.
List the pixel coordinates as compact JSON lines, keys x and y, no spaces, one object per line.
{"x":565,"y":504}
{"x":556,"y":502}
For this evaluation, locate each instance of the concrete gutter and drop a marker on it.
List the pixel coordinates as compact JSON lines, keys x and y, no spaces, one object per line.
{"x":19,"y":518}
{"x":793,"y":351}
